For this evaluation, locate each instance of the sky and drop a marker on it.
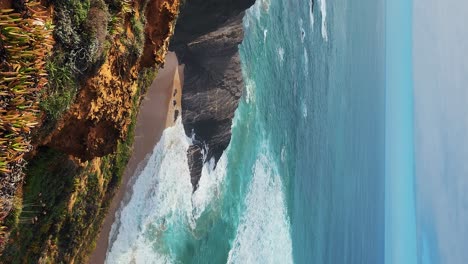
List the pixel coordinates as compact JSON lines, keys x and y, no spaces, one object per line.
{"x":440,"y":65}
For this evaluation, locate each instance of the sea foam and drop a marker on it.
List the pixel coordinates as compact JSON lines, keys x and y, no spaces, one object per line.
{"x":162,"y":203}
{"x":264,"y":232}
{"x":209,"y":187}
{"x":323,"y":10}
{"x":281,"y":54}
{"x":259,"y":7}
{"x":311,"y":14}
{"x":306,"y":61}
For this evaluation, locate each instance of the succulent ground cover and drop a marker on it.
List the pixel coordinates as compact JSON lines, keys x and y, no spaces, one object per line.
{"x":25,"y":42}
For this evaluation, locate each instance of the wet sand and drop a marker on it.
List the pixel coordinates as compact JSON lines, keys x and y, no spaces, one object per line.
{"x":157,"y":112}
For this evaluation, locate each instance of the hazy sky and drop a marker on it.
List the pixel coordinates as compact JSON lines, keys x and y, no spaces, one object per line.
{"x":440,"y":53}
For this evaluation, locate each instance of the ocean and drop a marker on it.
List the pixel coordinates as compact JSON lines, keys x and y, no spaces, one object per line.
{"x":400,"y":213}
{"x":303,"y":179}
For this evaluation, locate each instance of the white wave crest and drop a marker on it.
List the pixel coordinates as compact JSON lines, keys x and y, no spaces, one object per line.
{"x":209,"y":187}
{"x":323,"y":10}
{"x":263,"y":235}
{"x":304,"y":109}
{"x":281,"y":54}
{"x":249,"y":90}
{"x":306,"y":61}
{"x":256,"y":10}
{"x":311,"y":14}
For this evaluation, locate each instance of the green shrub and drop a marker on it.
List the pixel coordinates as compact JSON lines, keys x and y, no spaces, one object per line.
{"x":69,"y":16}
{"x":138,"y":28}
{"x":96,"y":27}
{"x":136,"y":44}
{"x":81,"y":29}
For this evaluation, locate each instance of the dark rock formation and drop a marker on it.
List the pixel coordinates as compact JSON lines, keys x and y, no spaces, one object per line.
{"x":206,"y":40}
{"x":195,"y":160}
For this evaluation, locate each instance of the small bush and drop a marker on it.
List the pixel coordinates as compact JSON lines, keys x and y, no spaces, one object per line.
{"x":138,"y":28}
{"x":136,"y":44}
{"x":96,"y":25}
{"x":80,"y":32}
{"x":69,"y":16}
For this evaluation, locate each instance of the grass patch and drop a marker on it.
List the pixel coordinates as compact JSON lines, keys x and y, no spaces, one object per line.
{"x":63,"y":87}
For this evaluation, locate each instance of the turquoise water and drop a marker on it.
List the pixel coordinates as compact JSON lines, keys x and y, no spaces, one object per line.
{"x":303,"y":179}
{"x":400,"y":217}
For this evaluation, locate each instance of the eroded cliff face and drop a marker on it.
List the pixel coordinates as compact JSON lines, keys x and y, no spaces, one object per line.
{"x":160,"y":16}
{"x":206,"y":40}
{"x":73,"y":187}
{"x":100,"y":115}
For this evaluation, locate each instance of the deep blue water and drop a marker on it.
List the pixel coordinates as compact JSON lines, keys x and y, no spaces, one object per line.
{"x":303,"y":178}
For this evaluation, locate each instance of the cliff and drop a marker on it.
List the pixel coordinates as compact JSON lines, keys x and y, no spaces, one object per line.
{"x":100,"y":114}
{"x":105,"y":56}
{"x":206,"y":40}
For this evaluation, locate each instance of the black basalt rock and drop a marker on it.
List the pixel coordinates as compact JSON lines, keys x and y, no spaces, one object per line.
{"x":206,"y":40}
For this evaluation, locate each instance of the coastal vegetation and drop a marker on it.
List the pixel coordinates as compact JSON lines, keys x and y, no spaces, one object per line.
{"x":25,"y":41}
{"x":52,"y":203}
{"x":64,"y":204}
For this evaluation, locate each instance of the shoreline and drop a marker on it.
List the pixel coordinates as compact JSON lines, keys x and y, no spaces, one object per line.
{"x":159,"y":108}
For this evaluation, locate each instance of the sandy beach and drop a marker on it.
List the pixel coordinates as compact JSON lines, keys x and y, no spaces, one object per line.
{"x":159,"y":109}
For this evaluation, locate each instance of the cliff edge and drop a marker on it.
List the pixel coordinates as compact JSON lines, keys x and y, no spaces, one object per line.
{"x":206,"y":40}
{"x":83,"y":67}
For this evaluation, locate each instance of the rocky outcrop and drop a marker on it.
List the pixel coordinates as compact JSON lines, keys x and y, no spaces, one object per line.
{"x":206,"y":40}
{"x":160,"y":16}
{"x":100,"y":115}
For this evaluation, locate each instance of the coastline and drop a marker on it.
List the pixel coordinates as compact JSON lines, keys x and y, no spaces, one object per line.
{"x":159,"y":108}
